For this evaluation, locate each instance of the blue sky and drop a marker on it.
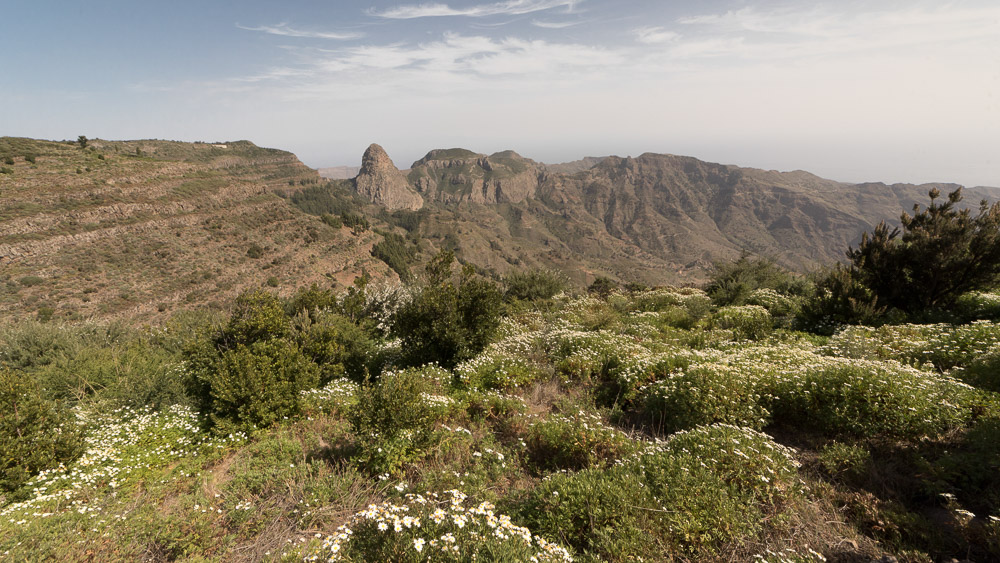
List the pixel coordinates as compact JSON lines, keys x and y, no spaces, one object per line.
{"x":854,"y":91}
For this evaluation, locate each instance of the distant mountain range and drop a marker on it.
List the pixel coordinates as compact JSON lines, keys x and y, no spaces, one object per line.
{"x":141,"y":229}
{"x":655,"y":218}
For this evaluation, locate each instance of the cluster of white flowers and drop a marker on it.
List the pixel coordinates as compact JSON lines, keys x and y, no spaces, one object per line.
{"x":790,"y":556}
{"x":119,"y":444}
{"x":440,"y":523}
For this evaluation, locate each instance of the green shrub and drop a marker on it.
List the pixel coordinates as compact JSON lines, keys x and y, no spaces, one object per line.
{"x":253,"y":386}
{"x":702,"y":394}
{"x":984,"y":371}
{"x":534,"y":285}
{"x":702,"y":492}
{"x":6,"y":170}
{"x":574,"y":442}
{"x":977,"y":305}
{"x":30,"y":158}
{"x":335,"y":344}
{"x":132,"y":372}
{"x":30,"y":281}
{"x":394,"y":417}
{"x":603,"y":287}
{"x":844,"y":460}
{"x":732,"y":283}
{"x":35,"y":433}
{"x":332,"y":220}
{"x":447,"y":322}
{"x":751,"y":322}
{"x":257,"y":315}
{"x":255,"y":251}
{"x":870,"y":399}
{"x":8,"y":160}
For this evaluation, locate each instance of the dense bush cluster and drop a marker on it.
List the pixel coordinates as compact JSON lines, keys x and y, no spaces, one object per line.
{"x":36,"y":433}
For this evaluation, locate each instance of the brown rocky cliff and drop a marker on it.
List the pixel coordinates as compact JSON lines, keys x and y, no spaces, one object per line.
{"x":457,"y":175}
{"x":382,"y":183}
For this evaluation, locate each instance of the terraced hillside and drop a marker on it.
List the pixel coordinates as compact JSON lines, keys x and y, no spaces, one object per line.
{"x":139,"y":229}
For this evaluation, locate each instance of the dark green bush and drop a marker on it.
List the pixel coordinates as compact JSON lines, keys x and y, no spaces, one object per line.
{"x":732,"y":283}
{"x":338,"y":346}
{"x":332,"y":220}
{"x":447,"y":322}
{"x":255,"y":251}
{"x":393,"y":419}
{"x":8,"y":160}
{"x":940,"y":254}
{"x":35,"y":433}
{"x":603,"y":286}
{"x":393,"y":250}
{"x":534,"y":285}
{"x":257,"y":315}
{"x":253,"y":386}
{"x":841,"y":299}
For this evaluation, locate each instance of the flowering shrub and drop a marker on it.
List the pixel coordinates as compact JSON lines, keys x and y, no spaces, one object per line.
{"x":690,"y":495}
{"x":751,"y":322}
{"x":864,"y":398}
{"x":789,"y":555}
{"x":942,"y":345}
{"x":574,"y":442}
{"x":121,"y":448}
{"x":338,"y":397}
{"x":984,"y":371}
{"x":703,"y":394}
{"x":433,"y":527}
{"x":500,"y":366}
{"x":394,"y":417}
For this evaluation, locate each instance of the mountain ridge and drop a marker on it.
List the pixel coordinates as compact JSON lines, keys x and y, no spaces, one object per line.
{"x":654,"y":218}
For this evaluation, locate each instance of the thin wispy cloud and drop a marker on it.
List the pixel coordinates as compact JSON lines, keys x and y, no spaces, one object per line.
{"x":508,"y":8}
{"x":554,"y":25}
{"x":823,"y":30}
{"x":653,"y":35}
{"x":285,"y":30}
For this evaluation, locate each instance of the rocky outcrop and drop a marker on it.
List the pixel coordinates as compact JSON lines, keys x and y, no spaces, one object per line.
{"x":382,"y":183}
{"x":457,"y":175}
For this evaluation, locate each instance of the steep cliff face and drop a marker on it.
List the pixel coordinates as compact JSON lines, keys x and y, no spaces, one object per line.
{"x":658,"y":218}
{"x":382,"y":183}
{"x":457,"y":175}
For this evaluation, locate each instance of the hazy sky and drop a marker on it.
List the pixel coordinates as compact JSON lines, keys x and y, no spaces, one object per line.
{"x":903,"y":91}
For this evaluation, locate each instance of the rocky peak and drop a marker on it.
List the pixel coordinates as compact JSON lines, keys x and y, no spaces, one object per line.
{"x":381,"y":182}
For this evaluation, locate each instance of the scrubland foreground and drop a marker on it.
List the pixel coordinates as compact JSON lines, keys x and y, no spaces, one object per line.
{"x":463,"y":421}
